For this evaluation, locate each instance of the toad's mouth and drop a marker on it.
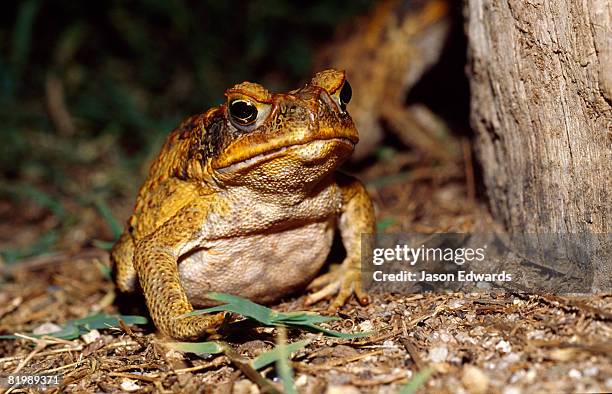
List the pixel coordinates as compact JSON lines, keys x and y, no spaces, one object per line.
{"x":308,"y":151}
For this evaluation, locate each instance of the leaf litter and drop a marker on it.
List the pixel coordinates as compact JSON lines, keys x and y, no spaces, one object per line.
{"x":499,"y":343}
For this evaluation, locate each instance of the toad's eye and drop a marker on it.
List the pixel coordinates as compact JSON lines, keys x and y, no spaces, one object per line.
{"x":345,"y":95}
{"x":243,"y":113}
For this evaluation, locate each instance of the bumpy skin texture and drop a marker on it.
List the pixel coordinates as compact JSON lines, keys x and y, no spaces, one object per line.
{"x":247,"y":209}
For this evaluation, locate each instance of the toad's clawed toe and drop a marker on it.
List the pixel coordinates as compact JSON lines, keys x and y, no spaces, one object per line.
{"x":341,"y":282}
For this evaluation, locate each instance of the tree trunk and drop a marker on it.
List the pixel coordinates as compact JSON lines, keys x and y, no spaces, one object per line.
{"x":541,"y":81}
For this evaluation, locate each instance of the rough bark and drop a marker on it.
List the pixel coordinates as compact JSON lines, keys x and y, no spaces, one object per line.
{"x":541,"y":81}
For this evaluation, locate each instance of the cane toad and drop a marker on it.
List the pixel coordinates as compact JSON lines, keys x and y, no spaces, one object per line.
{"x":245,"y":199}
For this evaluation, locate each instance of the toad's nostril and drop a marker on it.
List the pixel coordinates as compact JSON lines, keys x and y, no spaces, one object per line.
{"x":292,"y":109}
{"x":288,"y":108}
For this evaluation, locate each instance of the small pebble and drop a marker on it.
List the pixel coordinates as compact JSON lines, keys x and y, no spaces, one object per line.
{"x":245,"y":386}
{"x":129,"y":385}
{"x":91,"y":336}
{"x":591,"y":371}
{"x":438,"y":354}
{"x":366,"y":326}
{"x":536,"y":334}
{"x":46,"y":328}
{"x":301,"y":380}
{"x":574,"y":373}
{"x":455,"y":304}
{"x":465,"y":338}
{"x":478,"y":331}
{"x":174,"y":355}
{"x":475,"y":380}
{"x":512,"y":358}
{"x":513,"y":317}
{"x":341,"y":389}
{"x":511,"y":390}
{"x":503,"y":346}
{"x":445,"y":337}
{"x":389,"y":344}
{"x":531,"y":376}
{"x":517,"y":376}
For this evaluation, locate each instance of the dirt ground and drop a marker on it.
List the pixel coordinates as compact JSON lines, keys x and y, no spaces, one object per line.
{"x":470,"y":343}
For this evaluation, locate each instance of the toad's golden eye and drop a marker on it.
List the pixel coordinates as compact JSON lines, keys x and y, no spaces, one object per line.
{"x":242,"y":112}
{"x":345,"y":95}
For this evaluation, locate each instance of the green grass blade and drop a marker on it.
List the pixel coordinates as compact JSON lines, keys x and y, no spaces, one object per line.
{"x":196,"y":347}
{"x":42,"y":245}
{"x":283,"y":364}
{"x":107,"y":215}
{"x":101,"y":320}
{"x":303,"y":318}
{"x":105,"y":270}
{"x":385,"y":223}
{"x":268,"y":317}
{"x":22,"y":37}
{"x":69,"y":331}
{"x":104,"y":245}
{"x":72,"y":329}
{"x":244,"y":307}
{"x":214,"y":309}
{"x":43,"y":199}
{"x":416,"y":382}
{"x":273,"y":355}
{"x":296,"y":315}
{"x":332,"y":333}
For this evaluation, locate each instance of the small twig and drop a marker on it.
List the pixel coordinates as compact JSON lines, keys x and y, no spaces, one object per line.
{"x":215,"y":363}
{"x":25,"y":361}
{"x":151,"y":378}
{"x":56,"y":103}
{"x":61,"y":368}
{"x":376,"y":382}
{"x":337,"y":362}
{"x":411,"y":348}
{"x":602,"y":348}
{"x":571,"y":305}
{"x":128,"y":330}
{"x":42,"y":354}
{"x":79,"y":373}
{"x":14,"y":304}
{"x":137,"y":366}
{"x":40,"y":345}
{"x":249,"y":372}
{"x":379,"y":338}
{"x":426,"y":316}
{"x":48,"y":259}
{"x":413,"y":352}
{"x":120,"y":344}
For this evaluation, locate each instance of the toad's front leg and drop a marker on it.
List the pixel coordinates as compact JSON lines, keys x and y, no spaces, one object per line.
{"x":155,"y":261}
{"x":356,"y":218}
